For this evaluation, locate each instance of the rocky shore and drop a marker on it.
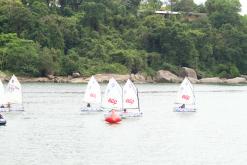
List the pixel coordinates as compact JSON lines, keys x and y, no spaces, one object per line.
{"x":162,"y":76}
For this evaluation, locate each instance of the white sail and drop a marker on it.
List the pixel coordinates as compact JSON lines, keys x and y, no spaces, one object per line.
{"x":130,"y":96}
{"x":2,"y":95}
{"x":113,"y":96}
{"x":186,"y":93}
{"x":14,"y":91}
{"x":93,"y":92}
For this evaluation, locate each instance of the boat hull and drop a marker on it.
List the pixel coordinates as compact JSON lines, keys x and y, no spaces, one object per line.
{"x":90,"y":110}
{"x":3,"y":122}
{"x":4,"y":109}
{"x":130,"y":114}
{"x":177,"y":109}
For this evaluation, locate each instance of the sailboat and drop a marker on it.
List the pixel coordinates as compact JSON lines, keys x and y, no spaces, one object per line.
{"x":112,"y":101}
{"x":131,"y":107}
{"x":185,"y":97}
{"x":13,"y":95}
{"x":92,"y":97}
{"x":113,"y":96}
{"x":2,"y":99}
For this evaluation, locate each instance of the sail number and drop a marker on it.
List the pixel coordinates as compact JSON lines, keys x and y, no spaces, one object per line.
{"x":93,"y":95}
{"x":113,"y":101}
{"x":186,"y":97}
{"x":131,"y":101}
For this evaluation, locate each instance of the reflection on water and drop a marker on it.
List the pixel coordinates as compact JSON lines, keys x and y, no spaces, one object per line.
{"x":53,"y":131}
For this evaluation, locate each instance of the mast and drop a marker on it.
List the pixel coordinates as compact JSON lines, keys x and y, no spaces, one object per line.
{"x":138,"y":99}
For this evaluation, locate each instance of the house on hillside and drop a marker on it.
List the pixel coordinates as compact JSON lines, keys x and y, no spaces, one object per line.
{"x":189,"y":16}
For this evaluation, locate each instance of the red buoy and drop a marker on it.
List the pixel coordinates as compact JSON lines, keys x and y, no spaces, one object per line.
{"x":113,"y":117}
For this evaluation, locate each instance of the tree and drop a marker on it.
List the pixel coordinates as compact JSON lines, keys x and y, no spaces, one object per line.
{"x":223,"y":11}
{"x":185,"y":5}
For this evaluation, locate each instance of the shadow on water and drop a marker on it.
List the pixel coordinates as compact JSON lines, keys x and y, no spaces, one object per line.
{"x":185,"y":114}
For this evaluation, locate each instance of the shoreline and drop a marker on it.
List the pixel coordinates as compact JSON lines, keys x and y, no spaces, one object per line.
{"x":161,"y":76}
{"x":139,"y":79}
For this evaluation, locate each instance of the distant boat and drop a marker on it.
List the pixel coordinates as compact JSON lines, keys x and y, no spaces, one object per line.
{"x":131,"y":106}
{"x":13,"y":95}
{"x":92,"y":97}
{"x":2,"y":98}
{"x":112,"y":101}
{"x":185,"y":97}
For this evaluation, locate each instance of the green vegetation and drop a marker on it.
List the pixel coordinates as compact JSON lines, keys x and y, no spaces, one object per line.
{"x":42,"y":37}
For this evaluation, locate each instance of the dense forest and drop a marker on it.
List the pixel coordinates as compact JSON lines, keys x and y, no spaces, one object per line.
{"x":59,"y":37}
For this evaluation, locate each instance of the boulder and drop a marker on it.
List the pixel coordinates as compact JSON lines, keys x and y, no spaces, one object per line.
{"x":167,"y":76}
{"x":188,"y":72}
{"x":75,"y":74}
{"x":50,"y":77}
{"x":104,"y":78}
{"x":79,"y":80}
{"x":244,"y":76}
{"x":193,"y":81}
{"x":60,"y":79}
{"x":236,"y":80}
{"x":137,"y":78}
{"x":214,"y":80}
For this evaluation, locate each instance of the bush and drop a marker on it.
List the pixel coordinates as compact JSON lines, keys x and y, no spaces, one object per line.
{"x":172,"y":68}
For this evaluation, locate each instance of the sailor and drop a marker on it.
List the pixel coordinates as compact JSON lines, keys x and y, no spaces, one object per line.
{"x":182,"y":106}
{"x":88,"y":105}
{"x":125,"y":110}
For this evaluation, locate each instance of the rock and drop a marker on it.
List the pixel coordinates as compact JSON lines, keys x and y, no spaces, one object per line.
{"x":166,"y":76}
{"x":236,"y":80}
{"x":137,"y":78}
{"x":149,"y":79}
{"x":215,"y":80}
{"x":104,"y":78}
{"x":75,"y":75}
{"x":50,"y":77}
{"x":79,"y":80}
{"x":188,"y":72}
{"x":244,"y":76}
{"x":193,"y":81}
{"x":60,"y":79}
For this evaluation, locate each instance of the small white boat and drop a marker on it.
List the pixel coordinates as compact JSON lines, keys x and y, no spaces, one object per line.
{"x":92,"y":97}
{"x":13,"y":95}
{"x":185,"y":98}
{"x":131,"y":106}
{"x":112,"y":99}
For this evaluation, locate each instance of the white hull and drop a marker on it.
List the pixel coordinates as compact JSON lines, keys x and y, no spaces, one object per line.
{"x":4,"y":109}
{"x":12,"y":109}
{"x":131,"y":114}
{"x":177,"y":109}
{"x":88,"y":110}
